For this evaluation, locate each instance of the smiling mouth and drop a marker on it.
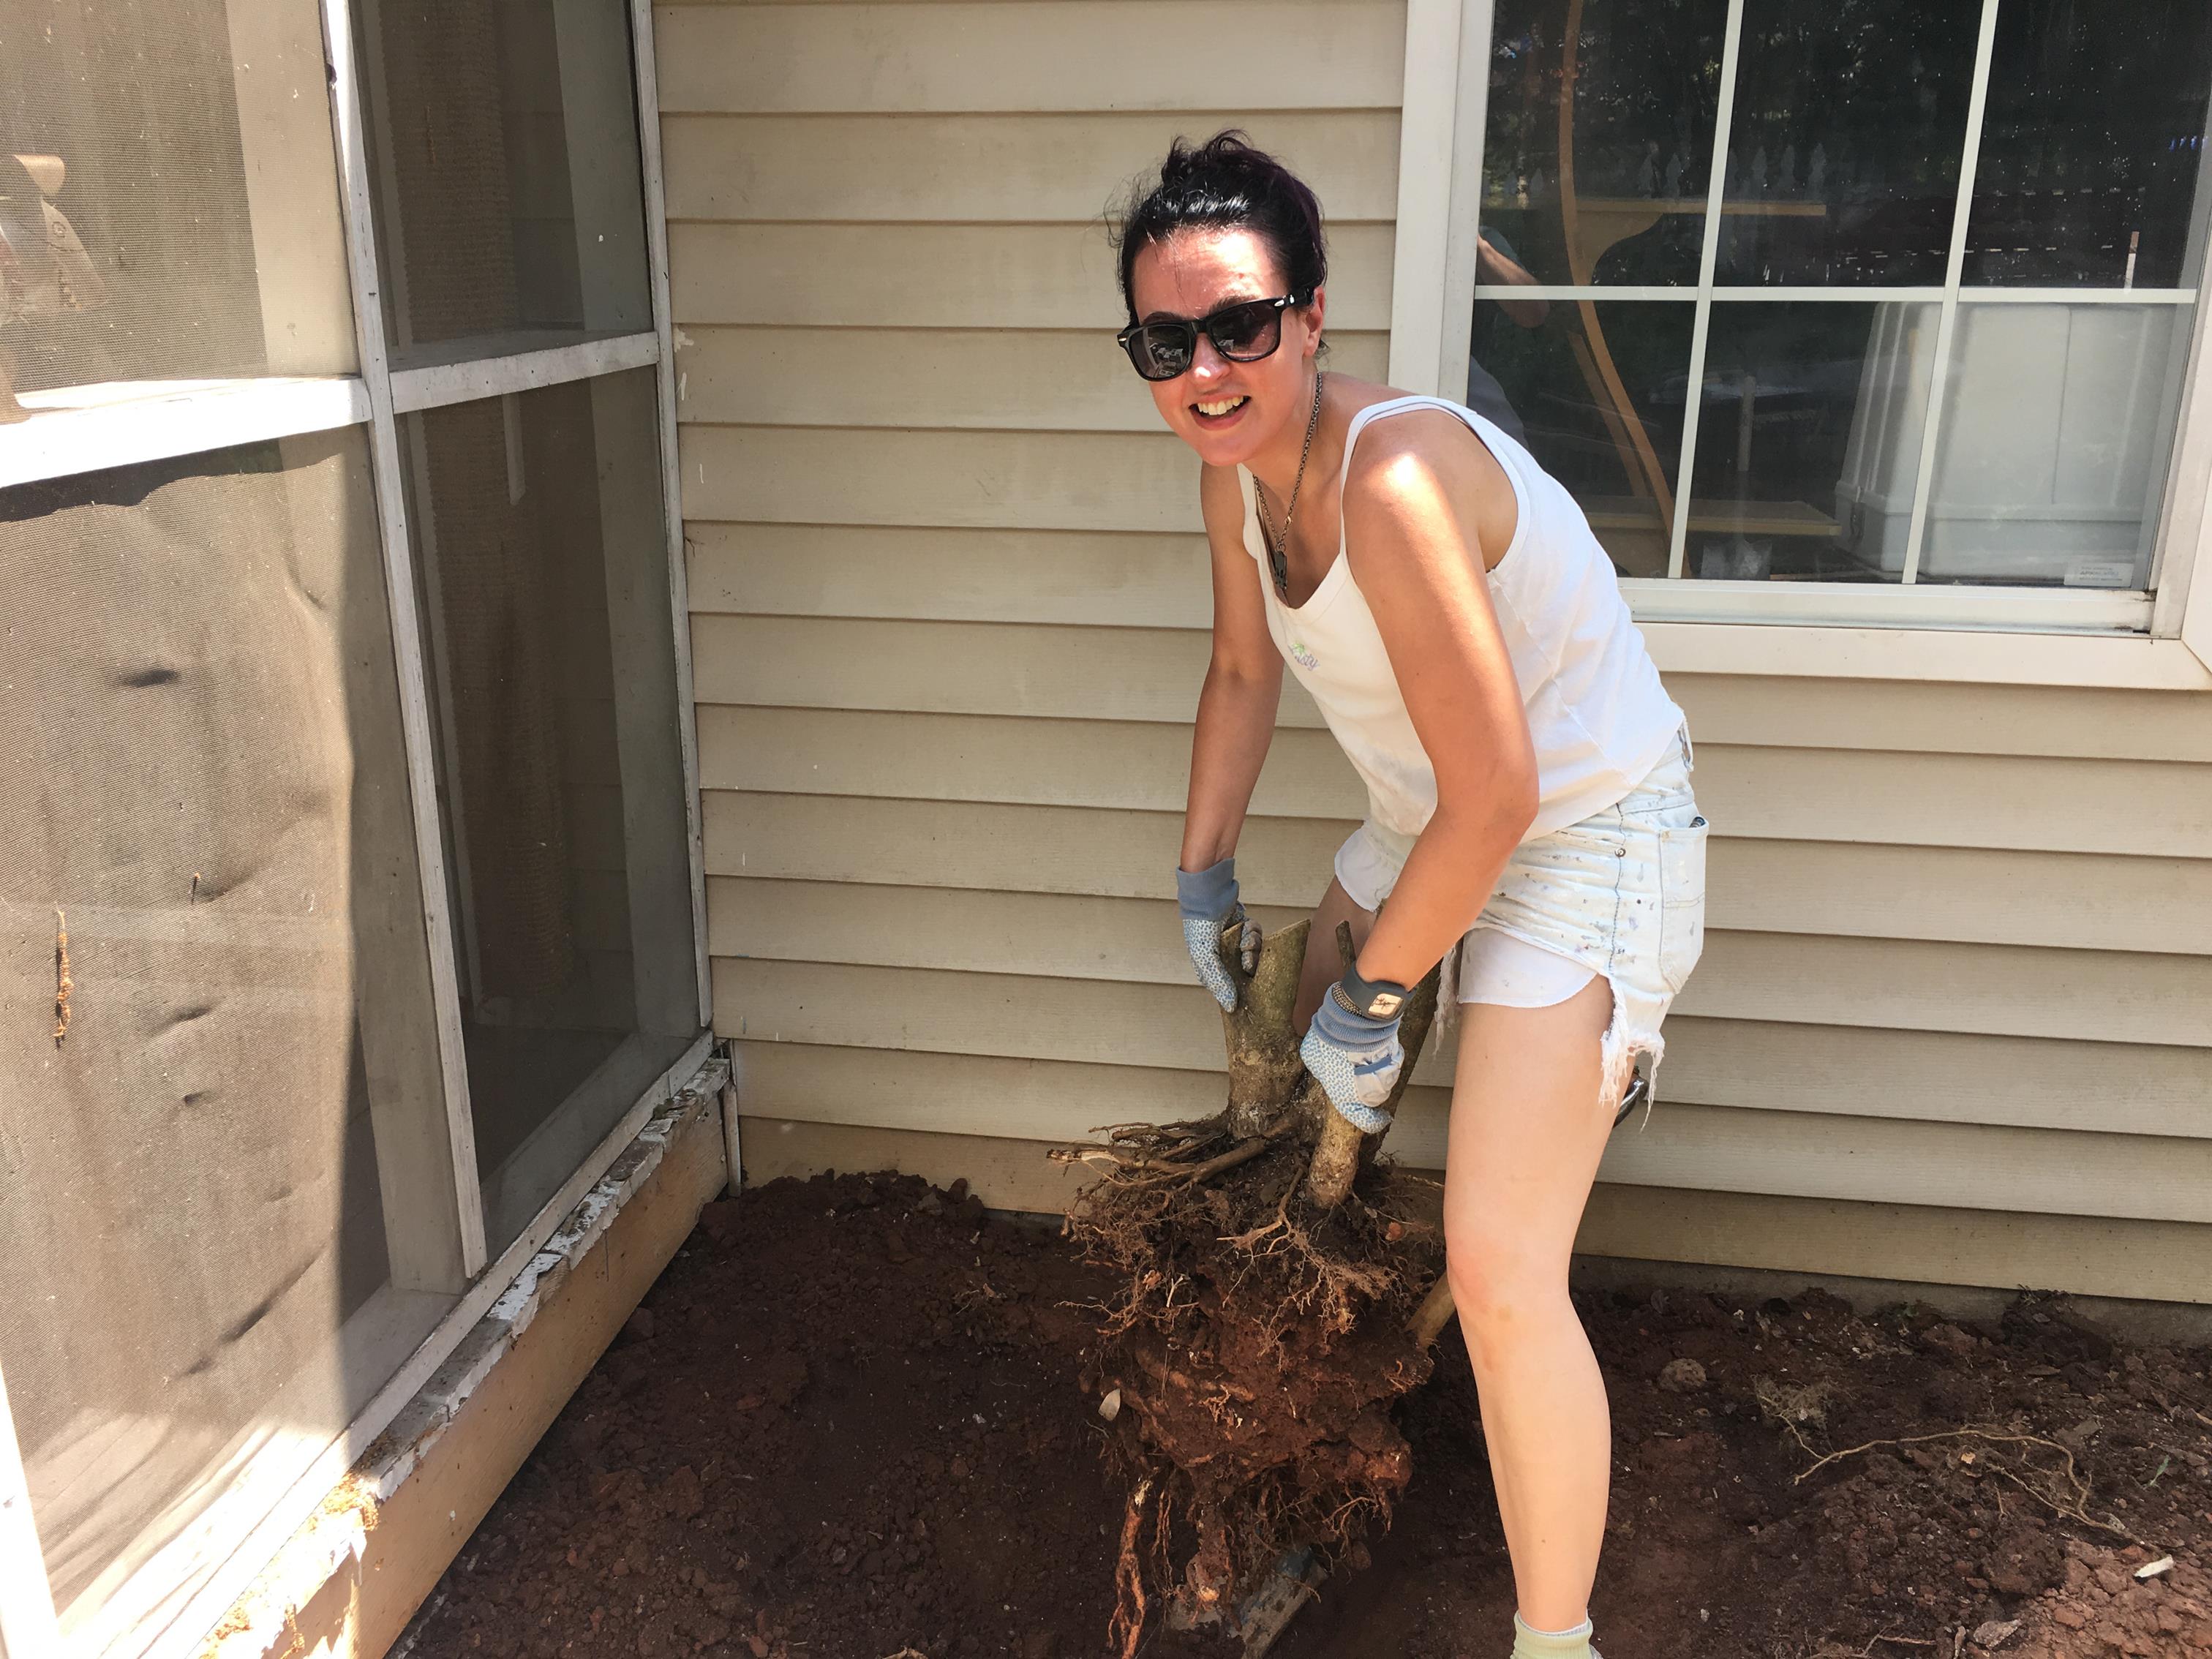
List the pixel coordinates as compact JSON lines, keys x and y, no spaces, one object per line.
{"x":1221,"y":409}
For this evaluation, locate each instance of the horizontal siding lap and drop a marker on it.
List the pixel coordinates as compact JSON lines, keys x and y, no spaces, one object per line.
{"x":998,"y":169}
{"x":1969,"y":896}
{"x":1968,"y":1078}
{"x":2131,"y":807}
{"x":1904,"y":985}
{"x":893,"y":571}
{"x":1070,"y":55}
{"x":1003,"y":380}
{"x":998,"y":276}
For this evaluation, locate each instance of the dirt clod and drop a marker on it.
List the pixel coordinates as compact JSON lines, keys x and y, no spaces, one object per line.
{"x":1682,"y":1376}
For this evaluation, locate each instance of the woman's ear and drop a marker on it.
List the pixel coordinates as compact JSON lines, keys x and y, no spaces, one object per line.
{"x":1313,"y":311}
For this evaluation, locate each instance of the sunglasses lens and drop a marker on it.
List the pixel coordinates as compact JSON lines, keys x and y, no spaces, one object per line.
{"x":1161,"y":350}
{"x":1245,"y":333}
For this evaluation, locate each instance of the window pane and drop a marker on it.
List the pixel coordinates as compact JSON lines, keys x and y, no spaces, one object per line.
{"x":2057,"y":424}
{"x":1637,"y":87}
{"x":2092,"y":145}
{"x":1808,"y":440}
{"x":545,"y":564}
{"x":510,"y":200}
{"x":168,"y":195}
{"x":201,"y":778}
{"x":1595,"y":390}
{"x":1844,"y":148}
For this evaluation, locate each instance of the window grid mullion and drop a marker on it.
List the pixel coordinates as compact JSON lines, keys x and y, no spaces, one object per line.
{"x":463,"y":1206}
{"x":1924,"y":480}
{"x":1708,"y":258}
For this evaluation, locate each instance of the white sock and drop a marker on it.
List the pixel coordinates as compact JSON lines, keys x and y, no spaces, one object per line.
{"x":1530,"y":1643}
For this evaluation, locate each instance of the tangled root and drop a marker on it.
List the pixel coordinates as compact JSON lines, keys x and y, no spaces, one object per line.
{"x":1259,"y":1342}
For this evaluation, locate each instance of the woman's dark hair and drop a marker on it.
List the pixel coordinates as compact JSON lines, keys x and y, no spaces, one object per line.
{"x":1226,"y":182}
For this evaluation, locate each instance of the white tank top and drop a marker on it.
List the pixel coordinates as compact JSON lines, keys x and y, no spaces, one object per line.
{"x":1597,"y":713}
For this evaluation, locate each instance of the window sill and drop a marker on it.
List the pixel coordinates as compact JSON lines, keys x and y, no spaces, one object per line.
{"x":1985,"y":656}
{"x":90,"y":428}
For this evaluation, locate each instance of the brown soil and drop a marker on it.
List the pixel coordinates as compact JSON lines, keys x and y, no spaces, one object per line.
{"x":849,"y":1424}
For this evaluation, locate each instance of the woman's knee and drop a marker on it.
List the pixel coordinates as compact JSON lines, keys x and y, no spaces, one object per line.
{"x":1501,"y":1288}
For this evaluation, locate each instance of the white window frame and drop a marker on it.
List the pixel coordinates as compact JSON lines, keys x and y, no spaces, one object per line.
{"x":2042,"y":636}
{"x":92,"y":428}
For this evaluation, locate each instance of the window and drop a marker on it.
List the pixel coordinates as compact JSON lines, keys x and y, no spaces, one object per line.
{"x":350,"y":898}
{"x":1813,"y":305}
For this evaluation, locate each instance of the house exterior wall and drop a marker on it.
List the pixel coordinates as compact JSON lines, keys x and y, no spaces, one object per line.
{"x":949,"y":601}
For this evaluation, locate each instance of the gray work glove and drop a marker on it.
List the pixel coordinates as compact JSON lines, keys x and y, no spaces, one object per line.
{"x":1210,"y":914}
{"x":1356,"y":1058}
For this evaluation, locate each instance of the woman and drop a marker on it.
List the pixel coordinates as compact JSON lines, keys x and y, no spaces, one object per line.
{"x":1530,"y":816}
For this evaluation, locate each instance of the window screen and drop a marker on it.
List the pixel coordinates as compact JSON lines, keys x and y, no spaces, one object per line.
{"x":544,"y":557}
{"x":510,"y":202}
{"x":168,"y":195}
{"x":215,"y":986}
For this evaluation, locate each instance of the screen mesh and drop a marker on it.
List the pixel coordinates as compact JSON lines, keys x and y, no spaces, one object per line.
{"x":511,"y":205}
{"x":169,"y":194}
{"x":544,"y":557}
{"x":206,"y":860}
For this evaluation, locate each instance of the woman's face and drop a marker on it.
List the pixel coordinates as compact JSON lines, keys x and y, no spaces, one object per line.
{"x":1225,"y":410}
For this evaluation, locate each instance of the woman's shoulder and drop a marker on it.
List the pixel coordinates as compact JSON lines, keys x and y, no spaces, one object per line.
{"x":1415,"y":450}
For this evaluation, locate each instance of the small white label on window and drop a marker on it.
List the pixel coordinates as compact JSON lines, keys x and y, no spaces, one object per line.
{"x":2101,"y":572}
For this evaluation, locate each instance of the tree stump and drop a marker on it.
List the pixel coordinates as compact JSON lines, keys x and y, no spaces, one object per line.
{"x":1268,"y":1268}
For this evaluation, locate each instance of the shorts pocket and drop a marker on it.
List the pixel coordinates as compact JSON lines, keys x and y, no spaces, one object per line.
{"x":1682,"y":900}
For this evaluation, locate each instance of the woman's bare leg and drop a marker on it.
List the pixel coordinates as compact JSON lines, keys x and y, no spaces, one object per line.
{"x":1527,"y":1131}
{"x":1324,"y":964}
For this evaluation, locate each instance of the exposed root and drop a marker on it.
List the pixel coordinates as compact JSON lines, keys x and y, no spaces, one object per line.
{"x":1258,"y":1338}
{"x":2061,"y":1487}
{"x":63,"y":983}
{"x":1129,"y":1601}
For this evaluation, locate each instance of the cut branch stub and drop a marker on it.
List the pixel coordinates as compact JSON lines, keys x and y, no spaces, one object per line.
{"x":1264,"y":1068}
{"x":1338,"y":1148}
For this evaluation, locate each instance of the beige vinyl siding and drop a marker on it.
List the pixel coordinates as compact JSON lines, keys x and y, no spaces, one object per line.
{"x":950,"y":604}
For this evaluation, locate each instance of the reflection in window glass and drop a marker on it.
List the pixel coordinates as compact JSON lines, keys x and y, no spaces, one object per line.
{"x":1808,"y":441}
{"x":510,"y":199}
{"x":2092,"y":145}
{"x":204,"y":813}
{"x":1843,"y":146}
{"x":2051,"y":462}
{"x":1595,"y":390}
{"x":544,"y":565}
{"x":168,"y":196}
{"x":1636,"y":86}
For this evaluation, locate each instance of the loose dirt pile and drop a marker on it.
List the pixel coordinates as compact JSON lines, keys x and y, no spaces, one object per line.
{"x":850,"y":1425}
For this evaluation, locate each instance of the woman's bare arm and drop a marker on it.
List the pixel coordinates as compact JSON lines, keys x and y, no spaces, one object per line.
{"x":1416,"y":506}
{"x":1243,"y":685}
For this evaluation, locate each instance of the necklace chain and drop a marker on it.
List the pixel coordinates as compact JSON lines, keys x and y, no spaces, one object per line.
{"x":1279,"y":553}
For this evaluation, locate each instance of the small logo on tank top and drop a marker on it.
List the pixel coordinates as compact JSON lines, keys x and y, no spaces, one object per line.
{"x":1304,"y":657}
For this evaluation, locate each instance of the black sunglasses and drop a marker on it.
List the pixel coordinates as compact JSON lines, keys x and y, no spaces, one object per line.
{"x":1244,"y":333}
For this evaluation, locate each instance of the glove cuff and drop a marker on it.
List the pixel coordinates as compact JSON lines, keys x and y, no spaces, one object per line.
{"x":1210,"y":892}
{"x":1337,"y":1020}
{"x":1375,"y":998}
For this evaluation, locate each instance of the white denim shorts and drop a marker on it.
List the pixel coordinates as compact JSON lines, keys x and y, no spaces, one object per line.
{"x":1621,"y":895}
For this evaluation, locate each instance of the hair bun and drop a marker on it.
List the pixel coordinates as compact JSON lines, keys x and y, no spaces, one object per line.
{"x":1227,"y":181}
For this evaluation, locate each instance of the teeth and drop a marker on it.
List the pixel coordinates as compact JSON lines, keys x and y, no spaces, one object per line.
{"x":1221,"y":408}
